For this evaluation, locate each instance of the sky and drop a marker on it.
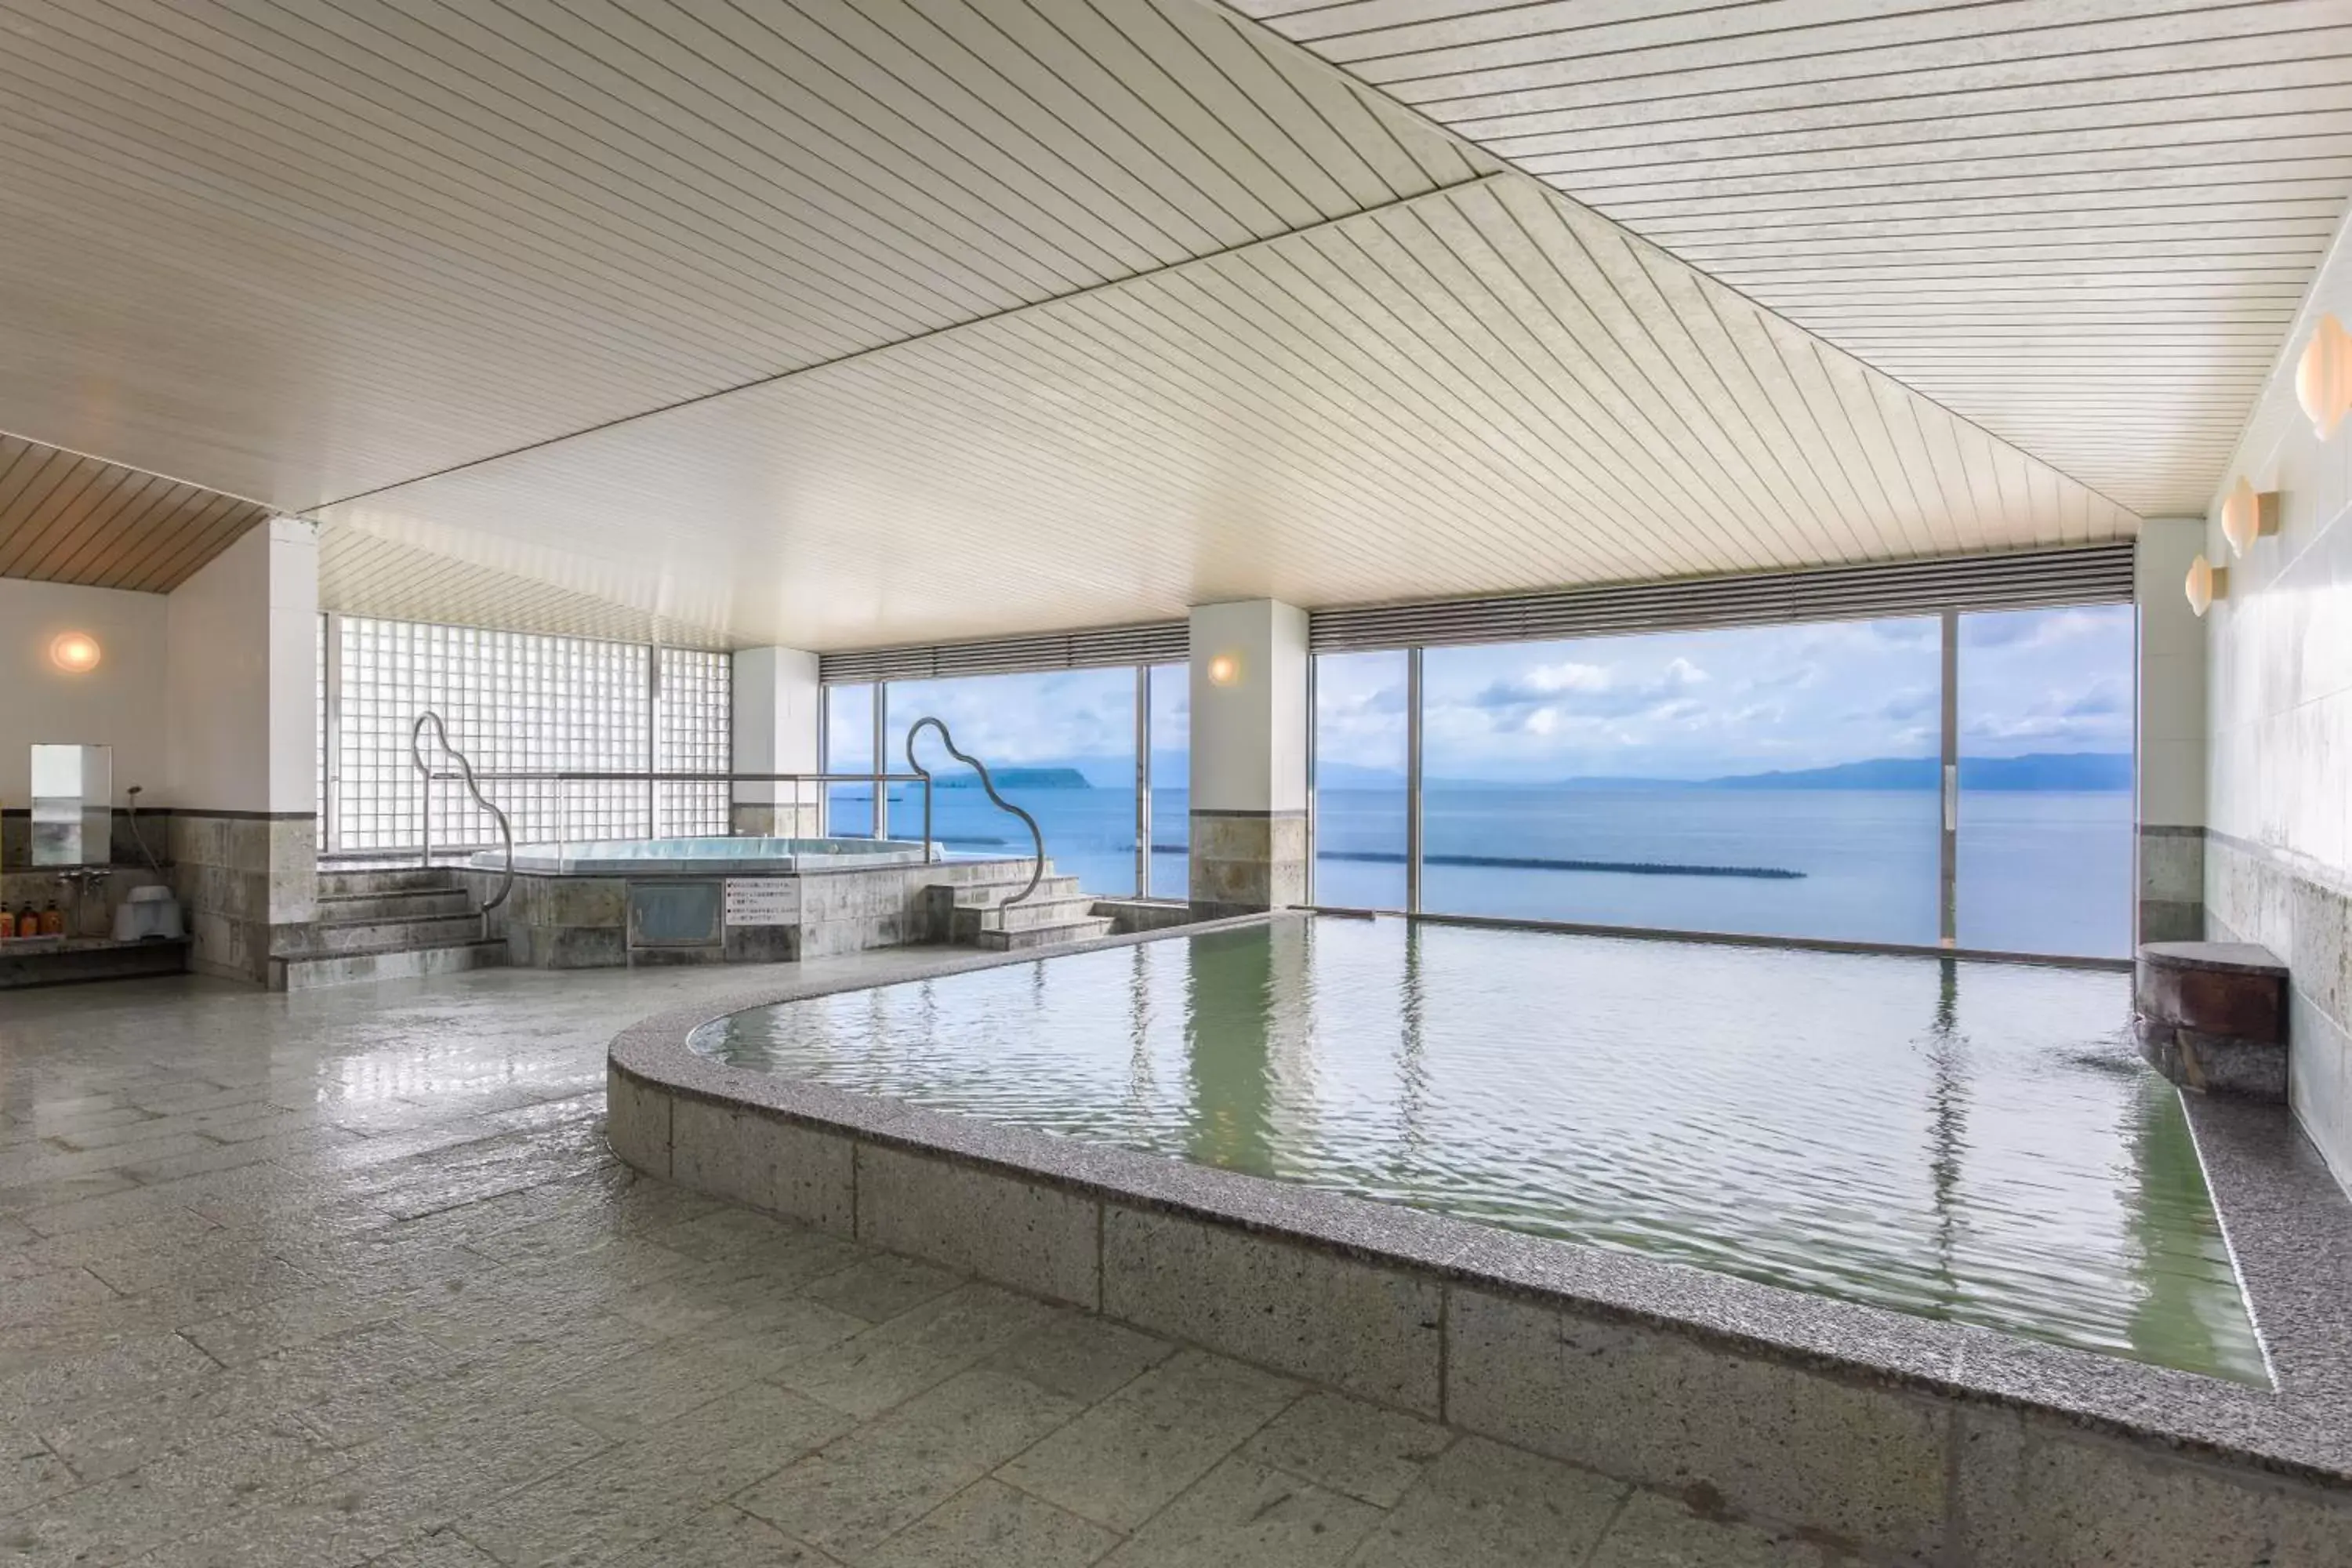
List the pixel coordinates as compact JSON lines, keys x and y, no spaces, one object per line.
{"x":1679,"y":705}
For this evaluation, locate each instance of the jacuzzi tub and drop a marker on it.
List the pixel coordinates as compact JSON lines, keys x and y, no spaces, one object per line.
{"x":698,"y":857}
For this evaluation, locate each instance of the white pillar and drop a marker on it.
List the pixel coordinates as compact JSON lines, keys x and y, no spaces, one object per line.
{"x":2172,"y":732}
{"x":1248,"y":756}
{"x":779,"y":715}
{"x":241,"y":636}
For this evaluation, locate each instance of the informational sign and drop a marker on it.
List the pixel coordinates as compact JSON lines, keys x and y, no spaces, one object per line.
{"x":763,"y":901}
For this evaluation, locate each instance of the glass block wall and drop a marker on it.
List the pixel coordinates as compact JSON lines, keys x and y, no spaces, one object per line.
{"x":522,"y":702}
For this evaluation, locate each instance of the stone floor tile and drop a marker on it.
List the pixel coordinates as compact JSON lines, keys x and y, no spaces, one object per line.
{"x":197,"y":1283}
{"x":879,"y":1286}
{"x":1481,"y":1505}
{"x":1122,"y":1462}
{"x":42,"y":1295}
{"x":392,"y":1494}
{"x":916,"y":1350}
{"x":30,"y":1470}
{"x":741,"y":1235}
{"x":169,"y":1232}
{"x":33,"y":1198}
{"x":117,"y":1520}
{"x":721,"y":1536}
{"x":1083,"y":1356}
{"x":990,"y":1525}
{"x":853,"y":1494}
{"x":441,"y":1549}
{"x":1655,"y":1532}
{"x":1350,"y":1446}
{"x":1249,"y":1516}
{"x":15,"y":1233}
{"x":112,"y":1366}
{"x":636,"y":1491}
{"x":771,"y":1332}
{"x":629,"y":1397}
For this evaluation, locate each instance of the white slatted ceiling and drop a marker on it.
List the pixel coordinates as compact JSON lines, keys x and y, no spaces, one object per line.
{"x":363,"y":574}
{"x":1482,"y":389}
{"x":2084,"y":224}
{"x":301,"y":248}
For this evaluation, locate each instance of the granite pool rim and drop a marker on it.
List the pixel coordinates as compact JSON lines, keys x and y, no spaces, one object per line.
{"x":2301,"y":1430}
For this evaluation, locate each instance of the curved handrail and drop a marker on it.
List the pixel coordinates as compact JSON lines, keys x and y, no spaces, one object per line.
{"x":466,"y":773}
{"x":1037,"y":869}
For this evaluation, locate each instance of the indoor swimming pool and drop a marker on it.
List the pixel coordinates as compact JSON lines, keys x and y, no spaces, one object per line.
{"x":1976,"y":1143}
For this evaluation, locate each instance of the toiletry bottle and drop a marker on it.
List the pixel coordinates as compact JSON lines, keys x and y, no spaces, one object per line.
{"x":29,"y":923}
{"x":53,"y":921}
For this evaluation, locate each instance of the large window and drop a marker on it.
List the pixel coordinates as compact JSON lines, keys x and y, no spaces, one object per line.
{"x":2046,"y":700}
{"x":517,"y":702}
{"x":1775,"y":780}
{"x":1170,"y":831}
{"x":849,"y":748}
{"x":1060,"y":745}
{"x":1778,"y":781}
{"x":1361,"y":755}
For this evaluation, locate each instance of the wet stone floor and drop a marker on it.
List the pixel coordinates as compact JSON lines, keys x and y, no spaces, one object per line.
{"x":352,"y":1278}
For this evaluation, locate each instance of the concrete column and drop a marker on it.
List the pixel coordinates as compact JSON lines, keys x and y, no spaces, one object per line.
{"x":242,"y":682}
{"x":1249,"y":757}
{"x":779,"y":715}
{"x":2172,"y":734}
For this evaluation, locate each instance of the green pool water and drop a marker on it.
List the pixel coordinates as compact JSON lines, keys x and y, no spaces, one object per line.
{"x":1973,"y":1141}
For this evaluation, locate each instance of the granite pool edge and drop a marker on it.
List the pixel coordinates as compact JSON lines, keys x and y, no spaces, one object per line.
{"x":2295,"y":1434}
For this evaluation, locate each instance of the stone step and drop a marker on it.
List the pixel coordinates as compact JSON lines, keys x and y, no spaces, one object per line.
{"x":389,"y":880}
{"x":420,"y":903}
{"x":1024,"y":916}
{"x":382,"y":936}
{"x":984,"y":895}
{"x":1043,"y":936}
{"x":314,"y":972}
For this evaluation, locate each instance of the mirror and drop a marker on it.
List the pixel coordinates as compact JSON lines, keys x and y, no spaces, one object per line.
{"x":73,"y":805}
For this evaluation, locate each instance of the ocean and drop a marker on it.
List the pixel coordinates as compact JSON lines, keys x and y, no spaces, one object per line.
{"x":2047,"y":872}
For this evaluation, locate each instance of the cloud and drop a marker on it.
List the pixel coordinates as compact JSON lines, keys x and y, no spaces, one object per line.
{"x":1904,"y":704}
{"x":1571,"y":690}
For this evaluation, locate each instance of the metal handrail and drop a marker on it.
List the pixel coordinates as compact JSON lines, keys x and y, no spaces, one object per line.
{"x":1037,"y":869}
{"x":473,"y":787}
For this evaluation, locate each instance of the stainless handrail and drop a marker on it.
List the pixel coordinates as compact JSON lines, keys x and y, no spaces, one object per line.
{"x":473,"y":787}
{"x":1037,"y":869}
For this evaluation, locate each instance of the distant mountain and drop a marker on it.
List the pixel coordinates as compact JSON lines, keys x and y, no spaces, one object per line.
{"x":1019,"y":778}
{"x":2057,"y":772}
{"x":2051,"y":771}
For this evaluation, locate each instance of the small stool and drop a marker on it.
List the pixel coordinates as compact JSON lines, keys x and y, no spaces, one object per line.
{"x":2211,"y":1017}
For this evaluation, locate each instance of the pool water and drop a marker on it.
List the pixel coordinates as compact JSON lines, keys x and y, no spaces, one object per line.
{"x":1979,"y":1142}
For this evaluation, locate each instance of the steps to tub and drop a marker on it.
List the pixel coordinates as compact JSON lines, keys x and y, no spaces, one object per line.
{"x":2211,"y":1017}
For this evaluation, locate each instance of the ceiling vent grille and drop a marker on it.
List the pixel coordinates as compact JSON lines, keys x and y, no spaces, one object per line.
{"x":1161,"y":642}
{"x":2039,"y":579}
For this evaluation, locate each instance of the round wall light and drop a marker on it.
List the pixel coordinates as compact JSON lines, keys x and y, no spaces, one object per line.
{"x":2206,"y":583}
{"x":76,"y":653}
{"x":2322,"y":377}
{"x":2247,"y":515}
{"x":1224,"y":668}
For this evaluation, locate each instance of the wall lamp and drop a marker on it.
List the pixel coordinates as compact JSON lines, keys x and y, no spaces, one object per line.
{"x":2322,"y":377}
{"x":1224,"y":668}
{"x":76,"y":653}
{"x":2207,"y":582}
{"x":2249,"y":514}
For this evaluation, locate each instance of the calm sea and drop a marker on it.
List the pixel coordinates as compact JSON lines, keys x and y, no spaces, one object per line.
{"x":2039,"y":872}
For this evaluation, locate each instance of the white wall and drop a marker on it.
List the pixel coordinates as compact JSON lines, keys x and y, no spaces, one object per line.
{"x":1249,"y":739}
{"x":243,"y":648}
{"x":2279,"y":761}
{"x":119,"y":704}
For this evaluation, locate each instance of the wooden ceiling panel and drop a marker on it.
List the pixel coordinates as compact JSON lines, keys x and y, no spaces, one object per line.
{"x":1951,"y":192}
{"x":65,"y":518}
